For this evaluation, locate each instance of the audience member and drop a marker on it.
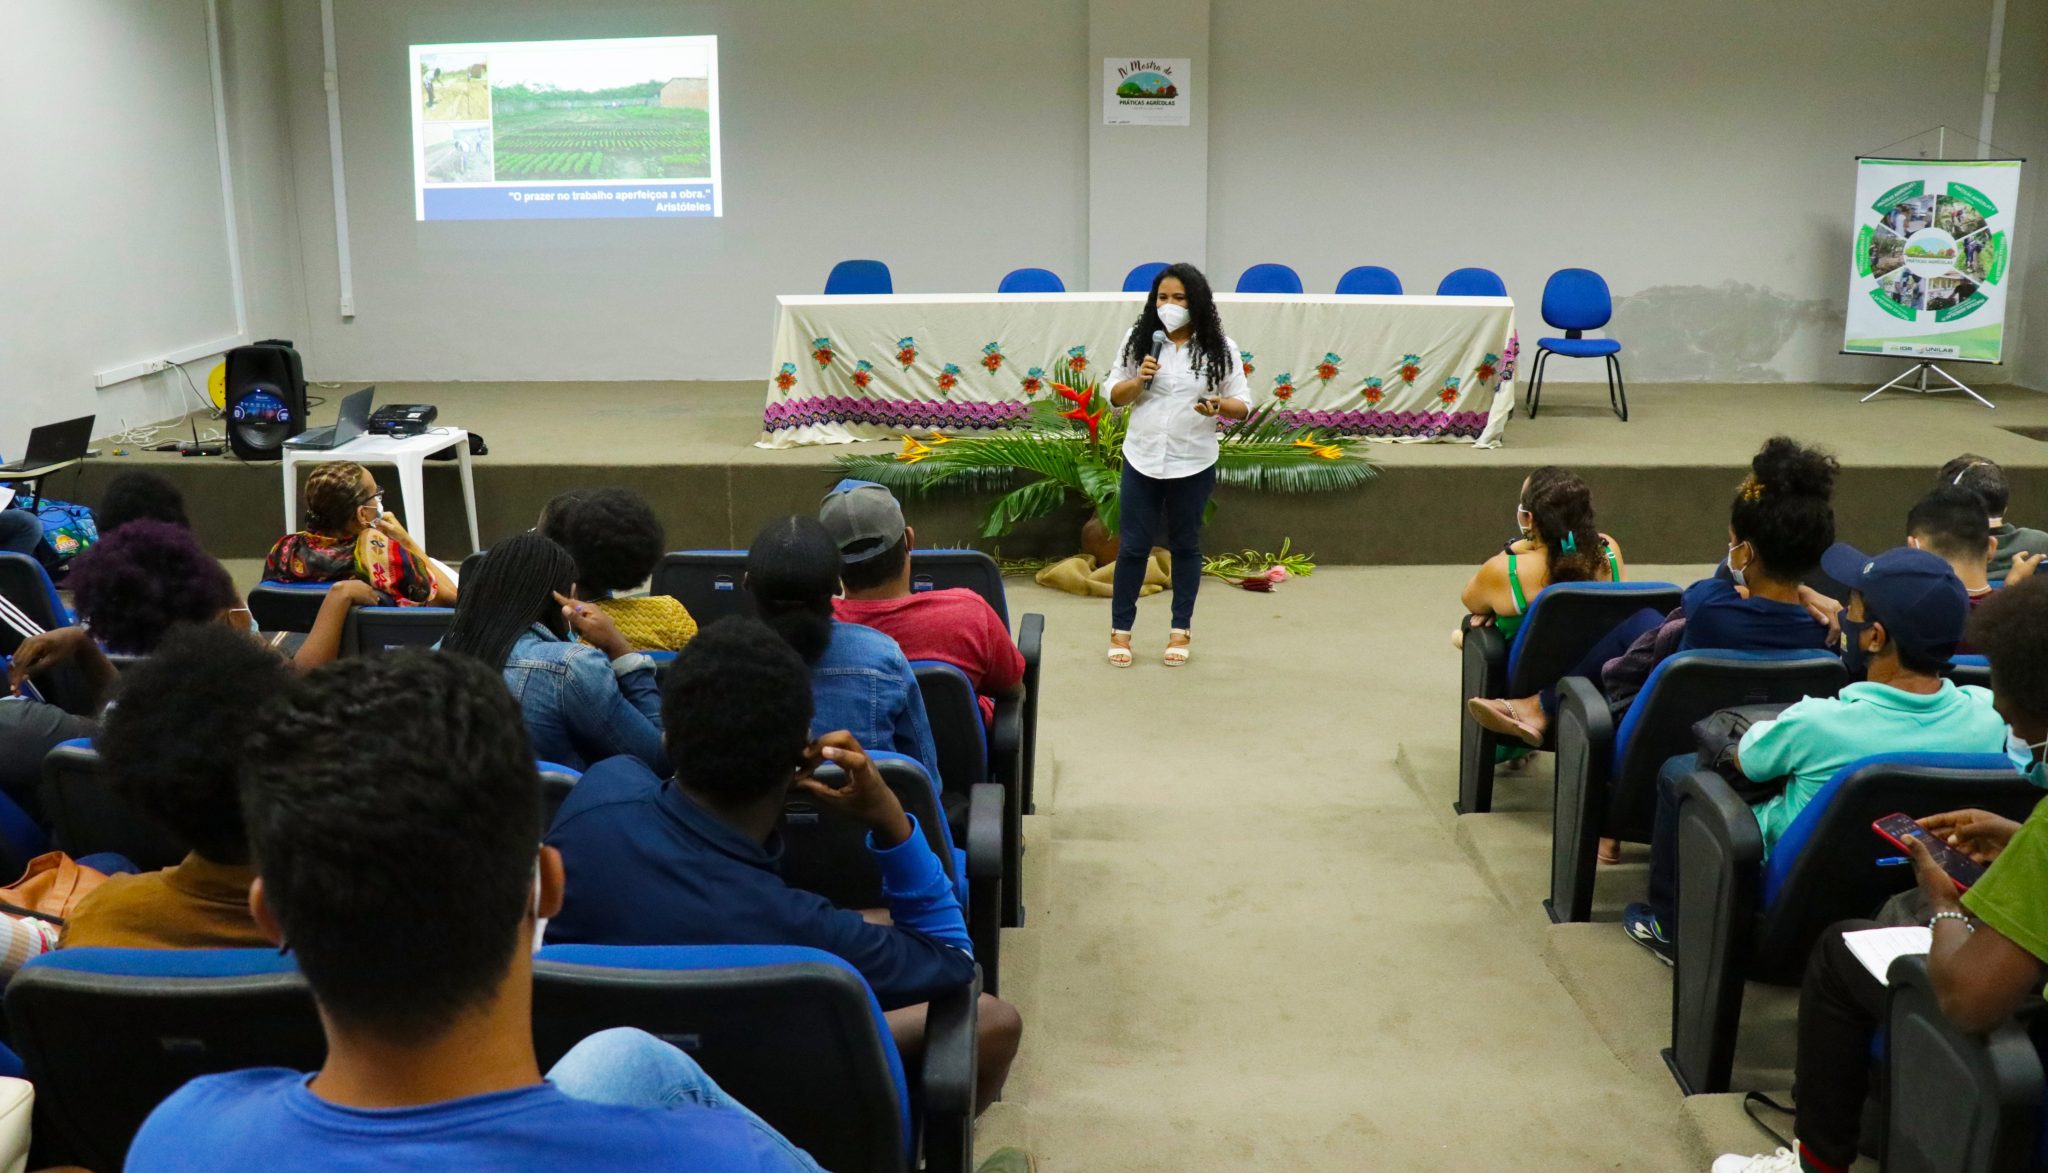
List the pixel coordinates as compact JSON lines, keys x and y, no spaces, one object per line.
{"x":1905,"y":616}
{"x":139,"y":495}
{"x":693,"y":861}
{"x":173,"y":750}
{"x":860,"y":680}
{"x":582,"y":702}
{"x":21,"y":531}
{"x":616,"y":541}
{"x":956,"y":626}
{"x":1950,"y":523}
{"x":349,"y":535}
{"x":1990,"y":948}
{"x":1985,"y":478}
{"x":393,"y":807}
{"x":1558,"y":543}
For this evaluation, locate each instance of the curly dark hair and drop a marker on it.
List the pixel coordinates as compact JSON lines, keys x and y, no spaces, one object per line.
{"x":612,"y":534}
{"x":1213,"y":361}
{"x":173,"y":745}
{"x":137,"y":495}
{"x":2011,"y":629}
{"x":360,"y":771}
{"x":1785,"y":507}
{"x":135,"y":584}
{"x":1561,"y":505}
{"x":1951,"y":522}
{"x":1982,"y":476}
{"x":736,"y":710}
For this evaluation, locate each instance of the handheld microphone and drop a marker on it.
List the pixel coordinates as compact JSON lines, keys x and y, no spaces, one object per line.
{"x":1158,"y":346}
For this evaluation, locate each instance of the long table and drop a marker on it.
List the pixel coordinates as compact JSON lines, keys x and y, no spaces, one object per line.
{"x":873,"y":366}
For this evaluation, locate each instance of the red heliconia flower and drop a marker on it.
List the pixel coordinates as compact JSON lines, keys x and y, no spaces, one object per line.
{"x":1080,"y":410}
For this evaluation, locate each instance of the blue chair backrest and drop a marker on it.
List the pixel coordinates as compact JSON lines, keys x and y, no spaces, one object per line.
{"x":107,"y":1034}
{"x":954,"y":713}
{"x":24,"y":583}
{"x":1471,"y":282}
{"x":1567,"y":618}
{"x":825,"y":852}
{"x":86,"y":816}
{"x":380,"y":629}
{"x":859,"y":277}
{"x":1824,"y":868}
{"x":933,"y":570}
{"x":1269,"y":278}
{"x":793,"y":1033}
{"x":1031,"y":281}
{"x":556,"y":780}
{"x":1576,"y":299}
{"x":286,"y":606}
{"x":710,"y":583}
{"x":1369,"y":279}
{"x":1140,"y":278}
{"x":1970,"y":670}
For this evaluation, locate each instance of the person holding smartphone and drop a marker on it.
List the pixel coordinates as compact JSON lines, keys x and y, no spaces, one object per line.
{"x":1176,"y":388}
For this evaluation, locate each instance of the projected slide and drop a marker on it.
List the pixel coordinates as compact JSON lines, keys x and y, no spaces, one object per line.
{"x":559,"y":130}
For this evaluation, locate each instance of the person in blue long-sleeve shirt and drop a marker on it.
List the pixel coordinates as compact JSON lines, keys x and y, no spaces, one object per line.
{"x":693,"y":860}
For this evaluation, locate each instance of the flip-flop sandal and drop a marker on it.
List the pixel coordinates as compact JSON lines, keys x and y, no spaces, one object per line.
{"x":1177,"y":654}
{"x":1498,"y":716}
{"x":1119,"y":654}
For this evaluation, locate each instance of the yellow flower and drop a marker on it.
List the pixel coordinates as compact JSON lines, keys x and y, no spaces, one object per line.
{"x":939,"y":437}
{"x":1329,"y":452}
{"x":912,"y":451}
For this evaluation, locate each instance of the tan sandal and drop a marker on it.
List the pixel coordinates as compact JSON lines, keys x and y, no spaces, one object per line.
{"x":1499,"y":716}
{"x":1119,"y":653}
{"x":1178,"y":653}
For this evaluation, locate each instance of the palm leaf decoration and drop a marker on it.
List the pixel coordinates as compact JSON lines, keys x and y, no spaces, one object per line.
{"x":1057,"y":454}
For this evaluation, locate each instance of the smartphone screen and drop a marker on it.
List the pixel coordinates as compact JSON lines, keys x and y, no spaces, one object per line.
{"x":1960,"y":868}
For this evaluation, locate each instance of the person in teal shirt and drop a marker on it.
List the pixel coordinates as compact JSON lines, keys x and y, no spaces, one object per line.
{"x":1905,"y":616}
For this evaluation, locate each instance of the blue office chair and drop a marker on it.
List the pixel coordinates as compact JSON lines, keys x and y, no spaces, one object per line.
{"x":1368,"y":279}
{"x":286,"y":606}
{"x":859,"y":277}
{"x":1141,"y":277}
{"x":26,"y":585}
{"x":1575,"y":301}
{"x":1956,"y":1102}
{"x":87,"y":817}
{"x":1031,"y":281}
{"x":1740,"y":918}
{"x":1563,"y":623}
{"x":1269,"y":278}
{"x":793,"y":1033}
{"x":107,"y":1034}
{"x":381,"y":629}
{"x":954,"y":713}
{"x":1471,"y":282}
{"x":710,"y":583}
{"x":1970,"y":670}
{"x":1607,"y":772}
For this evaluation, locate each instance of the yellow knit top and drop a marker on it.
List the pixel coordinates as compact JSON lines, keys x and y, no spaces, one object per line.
{"x":651,"y":623}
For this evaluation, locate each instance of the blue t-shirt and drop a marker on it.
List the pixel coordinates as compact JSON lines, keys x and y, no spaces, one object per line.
{"x":267,"y":1119}
{"x":1718,"y":618}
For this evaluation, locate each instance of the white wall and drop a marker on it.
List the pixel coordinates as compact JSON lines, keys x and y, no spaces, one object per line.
{"x":113,"y":239}
{"x":2022,"y":127}
{"x":947,"y":139}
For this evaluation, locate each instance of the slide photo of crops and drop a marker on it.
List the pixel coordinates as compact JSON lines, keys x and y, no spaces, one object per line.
{"x":600,"y":113}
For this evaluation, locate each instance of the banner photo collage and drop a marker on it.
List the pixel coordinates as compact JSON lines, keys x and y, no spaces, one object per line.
{"x":1933,"y":239}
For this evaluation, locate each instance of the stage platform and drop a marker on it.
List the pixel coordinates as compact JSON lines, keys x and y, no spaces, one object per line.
{"x":1661,"y":481}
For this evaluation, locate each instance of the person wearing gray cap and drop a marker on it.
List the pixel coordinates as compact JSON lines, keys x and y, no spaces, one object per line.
{"x":955,"y":626}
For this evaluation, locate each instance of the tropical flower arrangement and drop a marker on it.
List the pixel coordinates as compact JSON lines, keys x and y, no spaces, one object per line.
{"x":1071,"y":445}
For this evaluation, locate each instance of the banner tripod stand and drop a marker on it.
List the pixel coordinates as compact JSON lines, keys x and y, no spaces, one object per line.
{"x":1921,"y":369}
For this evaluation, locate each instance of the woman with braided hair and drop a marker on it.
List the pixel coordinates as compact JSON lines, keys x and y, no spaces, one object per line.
{"x":349,"y":535}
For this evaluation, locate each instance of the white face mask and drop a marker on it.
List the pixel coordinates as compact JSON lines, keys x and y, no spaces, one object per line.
{"x":2022,"y":756}
{"x":1172,"y":316}
{"x":1732,"y":571}
{"x":1524,"y":520}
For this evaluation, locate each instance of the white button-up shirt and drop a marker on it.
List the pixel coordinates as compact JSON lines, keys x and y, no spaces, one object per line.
{"x":1167,"y":437}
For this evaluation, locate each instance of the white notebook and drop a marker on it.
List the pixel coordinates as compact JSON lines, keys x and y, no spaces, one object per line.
{"x":1878,"y":948}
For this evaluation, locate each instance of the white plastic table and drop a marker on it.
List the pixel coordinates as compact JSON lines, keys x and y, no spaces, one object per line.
{"x":409,"y":454}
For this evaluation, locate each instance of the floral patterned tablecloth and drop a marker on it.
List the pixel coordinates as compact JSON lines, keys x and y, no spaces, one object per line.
{"x":875,"y":366}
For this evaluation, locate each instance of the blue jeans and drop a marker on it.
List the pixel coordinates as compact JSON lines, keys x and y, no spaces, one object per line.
{"x":636,"y":1070}
{"x":20,"y":530}
{"x":1147,"y":506}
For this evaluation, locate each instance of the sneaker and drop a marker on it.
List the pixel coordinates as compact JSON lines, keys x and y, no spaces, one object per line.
{"x":1007,"y":1160}
{"x":1782,"y":1161}
{"x":1643,"y":927}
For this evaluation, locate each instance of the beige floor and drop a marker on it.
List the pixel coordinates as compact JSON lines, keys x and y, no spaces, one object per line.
{"x":1259,"y":939}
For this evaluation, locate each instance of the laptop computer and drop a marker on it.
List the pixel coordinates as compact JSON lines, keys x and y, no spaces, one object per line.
{"x":54,"y":444}
{"x":352,"y":421}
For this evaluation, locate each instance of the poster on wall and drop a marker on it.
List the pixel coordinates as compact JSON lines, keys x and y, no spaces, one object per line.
{"x":1933,"y":239}
{"x":1145,"y":91}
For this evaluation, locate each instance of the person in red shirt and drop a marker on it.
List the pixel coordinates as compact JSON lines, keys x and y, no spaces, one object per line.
{"x":955,"y":626}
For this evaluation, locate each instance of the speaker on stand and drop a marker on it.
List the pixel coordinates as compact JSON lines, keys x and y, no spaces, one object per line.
{"x":266,"y":398}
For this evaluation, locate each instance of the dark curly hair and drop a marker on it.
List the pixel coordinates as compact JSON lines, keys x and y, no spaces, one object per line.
{"x":1561,"y":505}
{"x":1982,"y":476}
{"x":173,"y":745}
{"x":1213,"y":361}
{"x":736,"y":710}
{"x":135,"y":584}
{"x":136,"y":495}
{"x":2011,"y":629}
{"x":360,"y":771}
{"x":612,"y":534}
{"x":1785,"y":507}
{"x":1951,"y":522}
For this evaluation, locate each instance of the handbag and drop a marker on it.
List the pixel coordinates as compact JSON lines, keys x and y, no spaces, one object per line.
{"x":33,"y":908}
{"x":1719,"y":734}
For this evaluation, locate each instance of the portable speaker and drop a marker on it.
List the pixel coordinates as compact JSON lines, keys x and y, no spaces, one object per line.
{"x":266,"y":397}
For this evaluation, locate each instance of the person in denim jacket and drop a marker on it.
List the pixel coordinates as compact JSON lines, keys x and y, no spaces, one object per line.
{"x":583,"y":702}
{"x":860,"y":681}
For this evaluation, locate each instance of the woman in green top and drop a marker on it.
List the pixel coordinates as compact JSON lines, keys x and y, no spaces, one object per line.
{"x":1558,"y":544}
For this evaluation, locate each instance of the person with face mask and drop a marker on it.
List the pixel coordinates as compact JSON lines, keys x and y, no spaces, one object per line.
{"x":348,"y":534}
{"x":1990,"y":946}
{"x":1178,"y":373}
{"x":1905,"y":616}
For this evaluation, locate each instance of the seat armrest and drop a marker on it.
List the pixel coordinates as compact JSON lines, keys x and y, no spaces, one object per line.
{"x":1583,"y":734}
{"x":1006,"y":742}
{"x":1484,"y":663}
{"x":1720,"y":881}
{"x":988,"y":881}
{"x":1030,"y":641}
{"x":947,"y":1080}
{"x":1957,"y":1101}
{"x":984,"y":831}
